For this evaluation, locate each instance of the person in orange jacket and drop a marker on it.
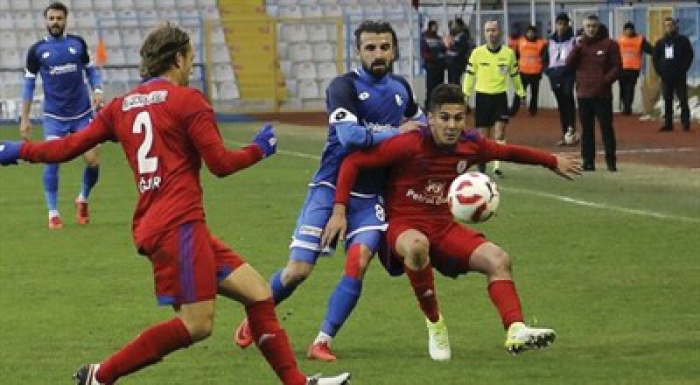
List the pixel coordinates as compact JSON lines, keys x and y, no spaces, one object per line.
{"x":632,"y":47}
{"x":530,"y":52}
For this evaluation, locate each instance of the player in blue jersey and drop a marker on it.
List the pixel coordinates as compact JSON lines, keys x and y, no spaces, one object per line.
{"x":63,"y":61}
{"x":365,"y":107}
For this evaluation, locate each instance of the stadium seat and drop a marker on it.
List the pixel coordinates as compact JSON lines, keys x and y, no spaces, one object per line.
{"x":304,"y":70}
{"x":131,"y":37}
{"x":85,"y":19}
{"x":188,"y":4}
{"x":10,"y":58}
{"x":9,"y":40}
{"x":25,"y":38}
{"x":107,"y":18}
{"x":7,"y":20}
{"x":128,"y":18}
{"x":402,"y":29}
{"x":220,"y":54}
{"x":223,"y":73}
{"x":293,"y":33}
{"x":210,"y":13}
{"x":300,"y":52}
{"x":287,"y":2}
{"x":308,"y":89}
{"x":326,"y":70}
{"x":206,"y":3}
{"x":316,"y":32}
{"x":132,"y":54}
{"x":354,"y":10}
{"x":282,"y":50}
{"x":115,"y":56}
{"x":122,"y":5}
{"x":20,"y":5}
{"x":228,"y":91}
{"x":103,"y":5}
{"x":145,"y":5}
{"x":323,"y":85}
{"x":332,"y":10}
{"x":82,"y":5}
{"x":217,"y":35}
{"x":312,"y":11}
{"x":324,"y":52}
{"x":165,"y":4}
{"x":111,"y":37}
{"x":189,"y":14}
{"x":286,"y":67}
{"x":25,"y":20}
{"x":289,"y":11}
{"x":90,"y":36}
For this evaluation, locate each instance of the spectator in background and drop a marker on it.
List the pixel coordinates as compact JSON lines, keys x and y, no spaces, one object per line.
{"x":673,"y":56}
{"x":530,"y":52}
{"x":562,"y":78}
{"x":432,"y":52}
{"x":632,"y":45}
{"x":596,"y":60}
{"x":458,"y":51}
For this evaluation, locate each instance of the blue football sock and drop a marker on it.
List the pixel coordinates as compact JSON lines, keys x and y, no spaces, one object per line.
{"x":51,"y":185}
{"x":341,"y":304}
{"x":279,"y":291}
{"x":90,"y":177}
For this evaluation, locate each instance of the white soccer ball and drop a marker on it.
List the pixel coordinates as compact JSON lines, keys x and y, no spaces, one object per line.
{"x":473,"y":197}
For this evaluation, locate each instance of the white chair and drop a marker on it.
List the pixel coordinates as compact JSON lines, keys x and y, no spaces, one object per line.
{"x":79,"y":5}
{"x":107,"y":18}
{"x":123,"y":5}
{"x":187,"y":14}
{"x":326,"y":70}
{"x":308,"y":89}
{"x":25,"y":20}
{"x":143,"y":5}
{"x":128,"y":18}
{"x":169,"y":14}
{"x":373,"y":11}
{"x":217,"y":35}
{"x":103,"y":5}
{"x":25,"y":38}
{"x":323,"y":85}
{"x":220,"y":54}
{"x":289,"y":11}
{"x":188,"y":4}
{"x":332,"y":10}
{"x":9,"y":40}
{"x":304,"y":70}
{"x":228,"y":91}
{"x":210,"y":13}
{"x":300,"y":52}
{"x":282,"y":50}
{"x":165,"y":4}
{"x":293,"y":33}
{"x":115,"y":56}
{"x":90,"y":36}
{"x":7,"y":20}
{"x":10,"y":58}
{"x":131,"y":37}
{"x":324,"y":52}
{"x":317,"y":32}
{"x":111,"y":37}
{"x":85,"y":19}
{"x":132,"y":55}
{"x":224,"y":73}
{"x":402,"y":29}
{"x":20,"y":5}
{"x":354,"y":10}
{"x":312,"y":11}
{"x":286,"y":67}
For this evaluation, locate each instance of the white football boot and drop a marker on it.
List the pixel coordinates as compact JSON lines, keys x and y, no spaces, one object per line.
{"x":438,"y":341}
{"x":521,"y":337}
{"x":341,"y":379}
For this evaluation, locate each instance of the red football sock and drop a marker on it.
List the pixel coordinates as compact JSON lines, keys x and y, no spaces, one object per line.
{"x":273,"y":342}
{"x":505,"y":298}
{"x":423,"y":285}
{"x":148,"y":348}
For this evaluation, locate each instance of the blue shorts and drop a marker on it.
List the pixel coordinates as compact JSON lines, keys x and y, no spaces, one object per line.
{"x":365,"y":216}
{"x":54,"y":128}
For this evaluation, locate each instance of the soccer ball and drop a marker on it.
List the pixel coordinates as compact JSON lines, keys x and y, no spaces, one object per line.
{"x":473,"y":197}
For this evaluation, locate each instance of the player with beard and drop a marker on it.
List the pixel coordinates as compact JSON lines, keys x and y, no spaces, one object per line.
{"x":365,"y":107}
{"x":63,"y":61}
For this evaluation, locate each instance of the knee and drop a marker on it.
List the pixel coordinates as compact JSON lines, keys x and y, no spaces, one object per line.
{"x":200,"y":327}
{"x":417,"y":253}
{"x":296,"y":273}
{"x":500,"y":263}
{"x":356,"y":263}
{"x":92,"y":163}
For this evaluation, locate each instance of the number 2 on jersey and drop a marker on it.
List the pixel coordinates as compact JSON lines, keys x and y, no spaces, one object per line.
{"x":147,"y":165}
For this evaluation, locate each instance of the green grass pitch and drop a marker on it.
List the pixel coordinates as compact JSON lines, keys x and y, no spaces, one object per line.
{"x":610,"y":261}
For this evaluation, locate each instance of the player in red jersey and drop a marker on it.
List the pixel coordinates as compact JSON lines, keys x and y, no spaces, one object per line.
{"x":422,"y":233}
{"x":166,"y":129}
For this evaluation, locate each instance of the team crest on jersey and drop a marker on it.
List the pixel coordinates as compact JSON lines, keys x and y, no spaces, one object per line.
{"x":45,"y":55}
{"x":434,"y":187}
{"x":72,"y":50}
{"x":363,"y":96}
{"x":462,"y":166}
{"x":399,"y":100}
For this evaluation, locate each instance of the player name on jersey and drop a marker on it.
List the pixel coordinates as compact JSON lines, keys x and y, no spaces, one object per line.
{"x":142,"y":100}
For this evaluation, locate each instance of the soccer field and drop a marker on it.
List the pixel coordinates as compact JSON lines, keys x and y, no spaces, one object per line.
{"x":610,"y":261}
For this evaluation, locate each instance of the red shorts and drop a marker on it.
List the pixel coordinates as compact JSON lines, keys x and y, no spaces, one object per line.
{"x":451,"y":244}
{"x":188,"y":262}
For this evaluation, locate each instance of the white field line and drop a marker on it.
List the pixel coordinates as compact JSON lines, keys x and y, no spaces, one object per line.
{"x":562,"y":198}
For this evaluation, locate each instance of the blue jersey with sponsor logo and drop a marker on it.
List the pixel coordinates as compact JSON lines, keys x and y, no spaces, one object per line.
{"x":363,"y":111}
{"x":62,"y":63}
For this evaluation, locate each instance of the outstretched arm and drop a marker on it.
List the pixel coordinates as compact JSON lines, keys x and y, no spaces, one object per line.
{"x":565,"y":165}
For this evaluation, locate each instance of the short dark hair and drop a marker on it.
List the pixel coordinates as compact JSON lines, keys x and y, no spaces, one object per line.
{"x":58,"y":6}
{"x":375,"y":26}
{"x":160,"y":48}
{"x":446,"y":94}
{"x":562,"y":17}
{"x":593,"y":17}
{"x":628,"y":25}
